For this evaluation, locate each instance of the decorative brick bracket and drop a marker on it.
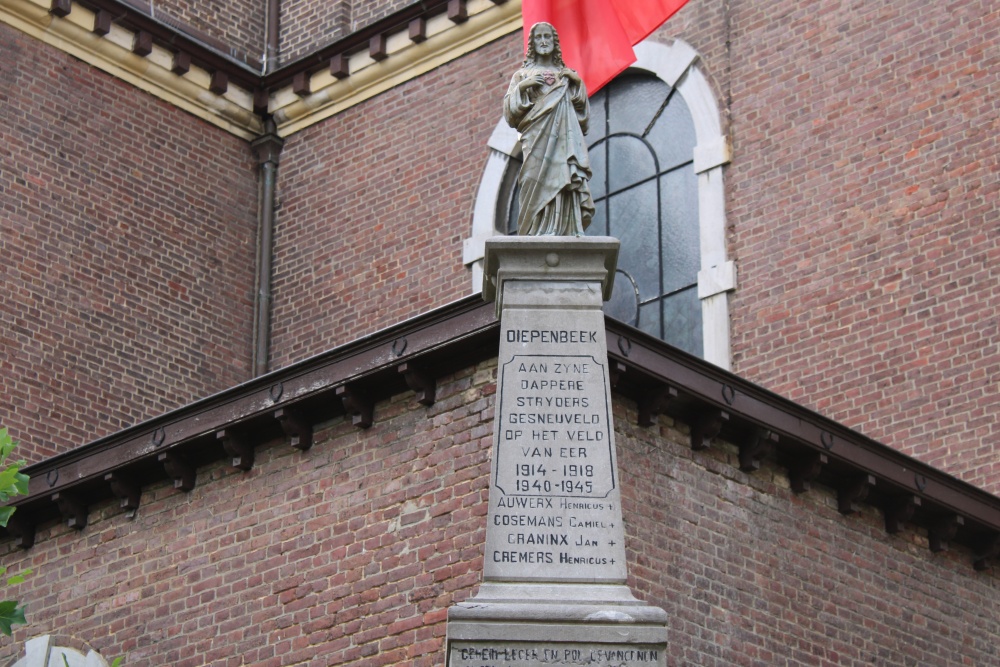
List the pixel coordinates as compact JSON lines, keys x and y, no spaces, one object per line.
{"x":351,"y":380}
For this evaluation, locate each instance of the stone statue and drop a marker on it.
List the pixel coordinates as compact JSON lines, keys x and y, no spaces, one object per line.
{"x":547,"y":103}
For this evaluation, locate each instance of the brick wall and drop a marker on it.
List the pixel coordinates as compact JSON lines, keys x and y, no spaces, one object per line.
{"x":864,"y":219}
{"x":364,"y":13}
{"x":351,"y":553}
{"x":862,"y":204}
{"x":752,"y":574}
{"x":127,"y":237}
{"x":375,"y":204}
{"x":307,"y":25}
{"x":241,"y":25}
{"x":862,"y":208}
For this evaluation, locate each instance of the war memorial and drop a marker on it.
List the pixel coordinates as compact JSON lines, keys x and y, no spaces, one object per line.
{"x":358,"y":334}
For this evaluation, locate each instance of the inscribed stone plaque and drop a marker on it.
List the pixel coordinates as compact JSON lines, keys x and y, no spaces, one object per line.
{"x":554,"y":497}
{"x":553,"y":590}
{"x":550,"y":654}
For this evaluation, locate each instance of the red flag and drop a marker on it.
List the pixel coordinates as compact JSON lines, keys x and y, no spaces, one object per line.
{"x":640,"y":18}
{"x":596,"y":36}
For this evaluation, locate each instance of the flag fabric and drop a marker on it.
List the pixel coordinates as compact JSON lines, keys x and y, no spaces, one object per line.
{"x":640,"y":18}
{"x":597,"y":36}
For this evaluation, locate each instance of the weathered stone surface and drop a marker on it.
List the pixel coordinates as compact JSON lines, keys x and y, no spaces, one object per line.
{"x":553,"y":590}
{"x":552,"y":654}
{"x":554,"y":512}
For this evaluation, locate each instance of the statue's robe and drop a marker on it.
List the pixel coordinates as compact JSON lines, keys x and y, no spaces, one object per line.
{"x":555,"y":192}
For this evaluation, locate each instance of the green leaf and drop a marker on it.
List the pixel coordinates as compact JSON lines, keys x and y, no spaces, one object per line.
{"x":13,"y":482}
{"x":22,"y":481}
{"x":6,"y":445}
{"x":5,"y":513}
{"x":18,"y":578}
{"x":10,"y":614}
{"x":116,"y":662}
{"x":8,"y":478}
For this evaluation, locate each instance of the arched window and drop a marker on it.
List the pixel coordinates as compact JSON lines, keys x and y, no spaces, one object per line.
{"x":43,"y":652}
{"x":657,"y":152}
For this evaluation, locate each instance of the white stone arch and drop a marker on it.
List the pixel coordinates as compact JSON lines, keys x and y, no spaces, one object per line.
{"x":676,"y":64}
{"x":42,"y":652}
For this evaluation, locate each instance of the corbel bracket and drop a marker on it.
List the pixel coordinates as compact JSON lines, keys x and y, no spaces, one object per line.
{"x":239,"y":447}
{"x":417,"y":30}
{"x":125,"y":489}
{"x":898,"y":510}
{"x":61,"y":8}
{"x":357,"y":405}
{"x":854,"y":492}
{"x":421,"y":382}
{"x":176,"y":467}
{"x":73,"y":510}
{"x":457,"y":11}
{"x":804,"y":470}
{"x":755,"y":447}
{"x":296,"y":427}
{"x":942,"y":531}
{"x":989,"y":551}
{"x":616,"y":370}
{"x":705,"y":427}
{"x":656,"y":403}
{"x":22,"y":527}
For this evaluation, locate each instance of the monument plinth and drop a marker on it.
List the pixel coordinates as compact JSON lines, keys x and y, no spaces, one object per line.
{"x":553,"y":590}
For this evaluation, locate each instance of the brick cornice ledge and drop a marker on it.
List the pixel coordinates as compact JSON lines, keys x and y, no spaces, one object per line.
{"x":350,"y":380}
{"x":351,"y":77}
{"x":120,"y":52}
{"x":183,"y":69}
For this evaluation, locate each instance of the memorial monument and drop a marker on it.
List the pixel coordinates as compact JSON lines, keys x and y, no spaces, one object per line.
{"x":554,"y":581}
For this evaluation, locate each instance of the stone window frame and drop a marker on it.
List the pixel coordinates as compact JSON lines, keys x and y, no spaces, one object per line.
{"x":678,"y":65}
{"x":43,"y":652}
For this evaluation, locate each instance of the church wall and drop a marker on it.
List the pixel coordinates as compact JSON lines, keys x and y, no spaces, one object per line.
{"x":240,"y":24}
{"x":352,"y":552}
{"x":349,"y":553}
{"x":307,"y":25}
{"x":127,"y":235}
{"x":752,"y":574}
{"x":863,"y":213}
{"x":861,"y":204}
{"x":860,"y":209}
{"x":375,"y":204}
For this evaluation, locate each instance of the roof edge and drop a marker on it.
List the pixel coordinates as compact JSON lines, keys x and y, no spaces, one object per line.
{"x":412,"y":355}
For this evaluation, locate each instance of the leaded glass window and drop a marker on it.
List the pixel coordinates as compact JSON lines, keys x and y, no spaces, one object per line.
{"x":645,"y":190}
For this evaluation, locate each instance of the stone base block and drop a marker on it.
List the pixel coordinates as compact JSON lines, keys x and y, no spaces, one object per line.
{"x":523,"y":625}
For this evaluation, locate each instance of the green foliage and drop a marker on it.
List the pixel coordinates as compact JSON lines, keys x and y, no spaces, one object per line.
{"x":13,"y":482}
{"x":17,"y":578}
{"x":10,"y":614}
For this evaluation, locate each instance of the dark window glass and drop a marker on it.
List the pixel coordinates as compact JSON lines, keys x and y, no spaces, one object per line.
{"x":641,"y":142}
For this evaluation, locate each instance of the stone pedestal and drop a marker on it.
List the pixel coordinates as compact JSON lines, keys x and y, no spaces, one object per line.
{"x":553,"y":589}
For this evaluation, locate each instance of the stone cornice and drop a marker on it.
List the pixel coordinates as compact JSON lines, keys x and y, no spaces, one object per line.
{"x":387,"y":60}
{"x":351,"y":380}
{"x":134,"y":57}
{"x":227,"y":90}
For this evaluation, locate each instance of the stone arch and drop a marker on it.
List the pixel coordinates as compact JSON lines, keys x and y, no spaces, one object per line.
{"x":43,"y":652}
{"x":678,"y":65}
